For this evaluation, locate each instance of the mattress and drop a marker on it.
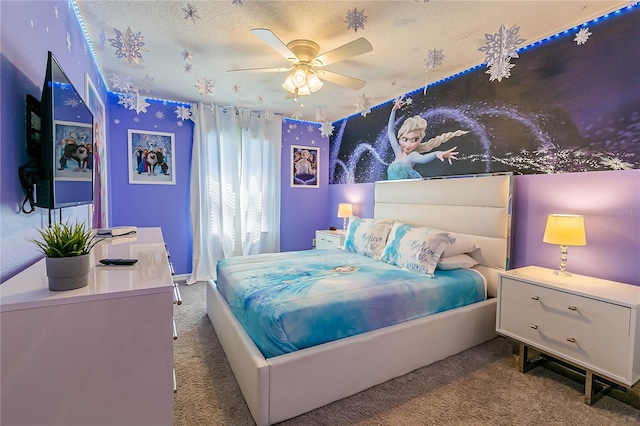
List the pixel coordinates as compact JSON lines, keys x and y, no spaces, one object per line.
{"x":294,"y":300}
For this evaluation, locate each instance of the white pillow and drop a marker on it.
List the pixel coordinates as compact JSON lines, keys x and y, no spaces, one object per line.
{"x":367,"y":236}
{"x":456,"y":262}
{"x":462,"y":244}
{"x":414,"y":248}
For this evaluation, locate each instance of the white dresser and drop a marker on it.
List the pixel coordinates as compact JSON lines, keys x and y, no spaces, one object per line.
{"x":99,"y":355}
{"x":589,"y":323}
{"x":329,"y":239}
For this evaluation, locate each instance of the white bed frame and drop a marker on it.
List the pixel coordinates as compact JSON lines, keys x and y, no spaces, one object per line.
{"x":286,"y":386}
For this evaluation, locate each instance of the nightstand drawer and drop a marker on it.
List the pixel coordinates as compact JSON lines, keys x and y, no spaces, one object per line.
{"x":329,"y":239}
{"x":594,"y":313}
{"x":575,"y":340}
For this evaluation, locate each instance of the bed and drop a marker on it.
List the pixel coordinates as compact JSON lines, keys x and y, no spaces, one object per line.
{"x":282,"y":386}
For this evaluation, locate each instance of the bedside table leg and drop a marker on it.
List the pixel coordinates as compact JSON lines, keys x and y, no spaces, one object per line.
{"x":592,"y":392}
{"x":524,"y":364}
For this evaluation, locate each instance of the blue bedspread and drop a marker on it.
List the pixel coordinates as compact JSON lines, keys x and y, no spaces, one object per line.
{"x":294,"y":300}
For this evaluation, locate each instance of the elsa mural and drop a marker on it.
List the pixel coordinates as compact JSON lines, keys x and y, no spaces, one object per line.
{"x":409,"y":149}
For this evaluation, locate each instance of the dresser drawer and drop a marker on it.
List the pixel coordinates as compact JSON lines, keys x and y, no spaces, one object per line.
{"x":592,"y":347}
{"x":594,"y":313}
{"x":329,"y":239}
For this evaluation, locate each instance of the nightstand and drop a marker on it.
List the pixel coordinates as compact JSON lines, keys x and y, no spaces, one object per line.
{"x":588,"y":323}
{"x":329,"y":239}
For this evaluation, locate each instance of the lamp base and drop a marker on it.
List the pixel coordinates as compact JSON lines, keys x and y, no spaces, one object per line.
{"x":562,"y":273}
{"x":344,"y":224}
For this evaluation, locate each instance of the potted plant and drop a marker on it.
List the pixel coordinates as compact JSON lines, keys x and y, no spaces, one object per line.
{"x":67,"y":248}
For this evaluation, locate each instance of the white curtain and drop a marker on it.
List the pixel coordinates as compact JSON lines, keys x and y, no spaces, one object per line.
{"x":235,"y":185}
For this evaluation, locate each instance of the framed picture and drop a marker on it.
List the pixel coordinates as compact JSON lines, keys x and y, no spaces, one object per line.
{"x":100,"y":199}
{"x":73,"y":157}
{"x":305,"y":166}
{"x":151,"y":157}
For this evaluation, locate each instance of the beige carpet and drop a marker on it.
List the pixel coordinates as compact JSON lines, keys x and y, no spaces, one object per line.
{"x":480,"y":386}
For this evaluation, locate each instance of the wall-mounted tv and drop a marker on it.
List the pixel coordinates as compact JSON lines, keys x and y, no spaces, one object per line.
{"x":64,"y":148}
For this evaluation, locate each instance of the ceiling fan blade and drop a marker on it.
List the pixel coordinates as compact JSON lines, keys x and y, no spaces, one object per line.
{"x":280,"y":69}
{"x":346,"y":51}
{"x":272,"y":40}
{"x":341,"y":79}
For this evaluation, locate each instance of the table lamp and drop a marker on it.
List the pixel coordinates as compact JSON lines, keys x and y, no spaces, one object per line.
{"x":564,"y":230}
{"x":345,"y":210}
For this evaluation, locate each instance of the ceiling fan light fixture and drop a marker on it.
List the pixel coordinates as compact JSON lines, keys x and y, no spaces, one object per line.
{"x":299,"y":77}
{"x":288,"y":85}
{"x":314,"y":82}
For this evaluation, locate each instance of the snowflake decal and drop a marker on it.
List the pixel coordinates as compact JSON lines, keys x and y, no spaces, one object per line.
{"x":434,"y":59}
{"x":237,"y":2}
{"x":309,"y":128}
{"x":205,"y":87}
{"x":501,"y":45}
{"x":190,"y":12}
{"x":116,"y":121}
{"x":355,"y":19}
{"x":363,"y":105}
{"x":141,"y":104}
{"x":236,"y":88}
{"x":183,"y":112}
{"x":188,"y":68}
{"x":126,"y":101}
{"x":582,"y":36}
{"x":326,"y":129}
{"x":500,"y":69}
{"x":295,"y":116}
{"x":269,"y":115}
{"x":72,"y":102}
{"x":186,"y":55}
{"x":499,"y":49}
{"x":159,"y":115}
{"x":136,"y":119}
{"x":128,"y":45}
{"x":179,"y":123}
{"x":121,"y":82}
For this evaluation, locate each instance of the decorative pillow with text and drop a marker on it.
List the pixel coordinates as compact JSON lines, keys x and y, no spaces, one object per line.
{"x":415,"y":248}
{"x":367,"y":236}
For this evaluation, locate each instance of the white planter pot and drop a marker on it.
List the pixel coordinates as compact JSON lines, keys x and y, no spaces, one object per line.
{"x":68,"y":273}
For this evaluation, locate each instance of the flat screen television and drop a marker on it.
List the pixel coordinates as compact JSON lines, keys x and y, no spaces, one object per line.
{"x":63,"y":147}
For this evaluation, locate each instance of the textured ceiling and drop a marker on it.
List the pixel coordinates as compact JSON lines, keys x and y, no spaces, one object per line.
{"x":219,"y":38}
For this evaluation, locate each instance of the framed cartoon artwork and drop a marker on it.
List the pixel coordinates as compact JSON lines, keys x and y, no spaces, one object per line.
{"x":151,"y":157}
{"x":73,"y":151}
{"x":305,"y":166}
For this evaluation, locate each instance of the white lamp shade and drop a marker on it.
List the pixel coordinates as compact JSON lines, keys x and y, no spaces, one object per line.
{"x":288,"y":84}
{"x":345,"y":210}
{"x":565,"y":230}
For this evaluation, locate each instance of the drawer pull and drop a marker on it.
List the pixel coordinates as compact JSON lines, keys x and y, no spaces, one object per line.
{"x":573,"y":308}
{"x":535,"y":297}
{"x":571,"y":339}
{"x":535,"y":327}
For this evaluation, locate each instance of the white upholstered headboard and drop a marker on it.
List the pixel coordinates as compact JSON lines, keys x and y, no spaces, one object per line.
{"x":478,"y":206}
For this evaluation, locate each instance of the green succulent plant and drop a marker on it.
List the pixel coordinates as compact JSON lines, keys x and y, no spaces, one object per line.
{"x":65,"y":240}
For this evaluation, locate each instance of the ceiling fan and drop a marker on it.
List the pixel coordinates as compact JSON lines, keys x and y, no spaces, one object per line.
{"x":306,"y":77}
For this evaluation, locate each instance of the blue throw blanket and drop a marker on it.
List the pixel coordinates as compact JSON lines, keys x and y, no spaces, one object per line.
{"x":294,"y":300}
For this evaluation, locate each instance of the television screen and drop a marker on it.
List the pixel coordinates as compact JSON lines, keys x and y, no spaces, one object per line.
{"x":65,"y":152}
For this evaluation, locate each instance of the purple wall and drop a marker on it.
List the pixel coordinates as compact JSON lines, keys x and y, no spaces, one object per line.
{"x":610,"y":204}
{"x":28,"y":30}
{"x":303,"y":210}
{"x":609,"y":201}
{"x":158,"y":205}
